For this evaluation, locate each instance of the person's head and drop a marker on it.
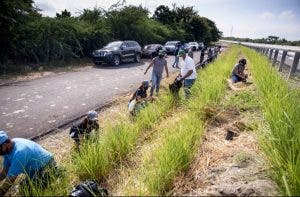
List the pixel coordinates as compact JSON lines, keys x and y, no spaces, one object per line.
{"x":145,"y":85}
{"x":181,"y":53}
{"x":160,"y":54}
{"x":6,"y":145}
{"x":92,"y":116}
{"x":243,"y":62}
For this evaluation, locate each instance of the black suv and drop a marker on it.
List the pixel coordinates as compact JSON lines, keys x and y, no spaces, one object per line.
{"x":116,"y":52}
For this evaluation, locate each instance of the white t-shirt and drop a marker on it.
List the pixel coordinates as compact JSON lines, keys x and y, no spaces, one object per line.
{"x":188,"y":64}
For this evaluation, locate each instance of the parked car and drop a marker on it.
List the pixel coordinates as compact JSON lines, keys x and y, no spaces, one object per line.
{"x":152,"y":50}
{"x":201,"y":45}
{"x":194,"y":46}
{"x":185,"y":47}
{"x":170,"y":46}
{"x":116,"y":52}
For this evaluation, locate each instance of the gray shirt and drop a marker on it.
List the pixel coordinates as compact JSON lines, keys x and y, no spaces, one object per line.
{"x":158,"y":66}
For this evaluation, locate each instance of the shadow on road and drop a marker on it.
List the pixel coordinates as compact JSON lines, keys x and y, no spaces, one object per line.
{"x":123,"y":65}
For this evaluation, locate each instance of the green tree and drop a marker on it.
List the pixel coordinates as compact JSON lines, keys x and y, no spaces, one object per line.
{"x":14,"y":14}
{"x":64,"y":14}
{"x":164,"y":15}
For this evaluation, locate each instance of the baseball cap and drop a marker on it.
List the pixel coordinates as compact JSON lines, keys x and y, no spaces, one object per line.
{"x":92,"y":115}
{"x":180,"y":53}
{"x":3,"y":137}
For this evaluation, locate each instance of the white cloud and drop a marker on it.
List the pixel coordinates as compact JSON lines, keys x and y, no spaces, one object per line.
{"x":286,"y":15}
{"x":267,"y":15}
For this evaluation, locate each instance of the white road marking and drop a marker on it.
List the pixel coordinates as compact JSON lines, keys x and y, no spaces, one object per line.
{"x":19,"y":99}
{"x":83,"y":104}
{"x":53,"y":105}
{"x":68,"y":88}
{"x":19,"y":111}
{"x":66,"y":107}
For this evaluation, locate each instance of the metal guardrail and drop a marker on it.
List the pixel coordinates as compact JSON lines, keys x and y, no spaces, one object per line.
{"x":282,"y":55}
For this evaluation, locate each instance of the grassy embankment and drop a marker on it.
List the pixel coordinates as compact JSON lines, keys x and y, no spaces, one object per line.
{"x":180,"y":139}
{"x":281,"y":108}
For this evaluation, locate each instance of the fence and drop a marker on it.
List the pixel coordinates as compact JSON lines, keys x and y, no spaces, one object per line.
{"x":283,"y":57}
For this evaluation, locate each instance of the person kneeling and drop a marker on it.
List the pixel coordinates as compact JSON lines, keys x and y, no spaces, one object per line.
{"x":84,"y":128}
{"x":139,"y":99}
{"x":22,"y":156}
{"x":237,"y":73}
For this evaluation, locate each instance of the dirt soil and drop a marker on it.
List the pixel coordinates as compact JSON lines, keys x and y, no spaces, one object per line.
{"x":13,"y":78}
{"x":227,"y":167}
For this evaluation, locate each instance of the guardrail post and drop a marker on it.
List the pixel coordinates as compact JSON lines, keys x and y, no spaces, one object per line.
{"x":284,"y":53}
{"x":295,"y":63}
{"x":271,"y":53}
{"x":275,"y":57}
{"x":267,"y":51}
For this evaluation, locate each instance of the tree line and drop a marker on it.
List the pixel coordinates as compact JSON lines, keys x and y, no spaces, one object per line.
{"x":27,"y":37}
{"x":268,"y":40}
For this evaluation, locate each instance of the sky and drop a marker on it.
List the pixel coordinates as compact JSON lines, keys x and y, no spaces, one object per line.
{"x":238,"y":18}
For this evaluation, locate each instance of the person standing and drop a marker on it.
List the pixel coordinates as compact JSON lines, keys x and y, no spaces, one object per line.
{"x":202,"y":53}
{"x":159,"y":63}
{"x":22,"y":156}
{"x":176,"y":61}
{"x":188,"y":73}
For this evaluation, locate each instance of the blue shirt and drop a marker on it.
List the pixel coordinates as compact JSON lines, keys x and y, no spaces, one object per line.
{"x":26,"y":157}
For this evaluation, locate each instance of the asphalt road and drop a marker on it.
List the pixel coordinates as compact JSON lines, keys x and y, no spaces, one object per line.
{"x":30,"y":108}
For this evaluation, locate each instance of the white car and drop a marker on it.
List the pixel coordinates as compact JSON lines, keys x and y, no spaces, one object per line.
{"x":193,"y":45}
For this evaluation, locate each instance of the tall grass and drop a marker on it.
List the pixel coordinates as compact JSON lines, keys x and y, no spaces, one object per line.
{"x":98,"y":157}
{"x":180,"y":145}
{"x":281,"y":107}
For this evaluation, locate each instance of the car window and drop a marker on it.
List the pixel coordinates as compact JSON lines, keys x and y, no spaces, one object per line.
{"x":125,"y":45}
{"x":130,"y":44}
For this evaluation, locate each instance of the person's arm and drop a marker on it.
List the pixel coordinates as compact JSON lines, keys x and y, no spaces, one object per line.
{"x":151,"y":64}
{"x":133,"y":97}
{"x":167,"y":70}
{"x":8,"y":182}
{"x":3,"y":174}
{"x":187,"y":74}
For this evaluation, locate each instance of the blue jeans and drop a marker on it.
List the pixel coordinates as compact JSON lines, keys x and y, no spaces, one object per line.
{"x":155,"y":83}
{"x":188,"y":83}
{"x":175,"y":64}
{"x":235,"y":78}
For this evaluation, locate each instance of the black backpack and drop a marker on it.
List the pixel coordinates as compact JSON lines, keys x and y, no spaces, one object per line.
{"x":88,"y":188}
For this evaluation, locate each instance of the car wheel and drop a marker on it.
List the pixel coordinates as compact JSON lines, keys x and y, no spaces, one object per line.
{"x":98,"y":63}
{"x":137,"y":58}
{"x":116,"y":61}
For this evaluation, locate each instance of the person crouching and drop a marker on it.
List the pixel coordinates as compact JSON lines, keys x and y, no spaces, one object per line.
{"x":138,"y":99}
{"x":237,"y":73}
{"x":84,"y":128}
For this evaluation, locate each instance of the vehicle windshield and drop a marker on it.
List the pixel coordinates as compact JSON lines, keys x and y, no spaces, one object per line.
{"x":114,"y":44}
{"x":170,"y":43}
{"x":151,"y":46}
{"x":192,"y":43}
